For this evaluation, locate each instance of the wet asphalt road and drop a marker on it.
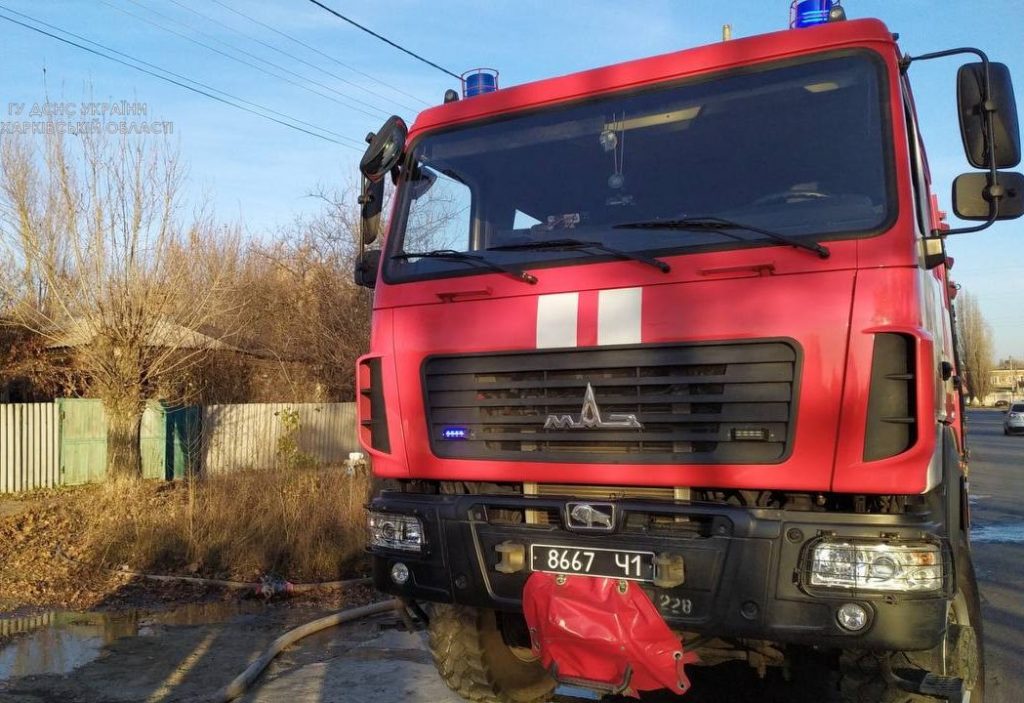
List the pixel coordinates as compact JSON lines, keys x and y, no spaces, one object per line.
{"x":997,"y":516}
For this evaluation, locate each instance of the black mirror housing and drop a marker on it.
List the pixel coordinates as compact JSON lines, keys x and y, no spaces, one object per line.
{"x":371,"y":201}
{"x":972,"y":196}
{"x":366,"y":268}
{"x":385,"y":149}
{"x":972,"y":109}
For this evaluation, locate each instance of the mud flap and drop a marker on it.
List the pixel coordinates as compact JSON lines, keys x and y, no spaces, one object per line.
{"x":604,"y":634}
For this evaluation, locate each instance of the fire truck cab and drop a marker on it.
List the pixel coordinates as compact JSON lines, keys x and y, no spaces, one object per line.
{"x":663,"y":368}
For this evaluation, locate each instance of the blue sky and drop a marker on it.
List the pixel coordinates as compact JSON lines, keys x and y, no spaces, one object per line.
{"x":257,"y":171}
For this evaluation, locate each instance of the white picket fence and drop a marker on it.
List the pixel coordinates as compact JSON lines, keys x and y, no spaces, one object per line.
{"x":233,"y":437}
{"x":29,"y":447}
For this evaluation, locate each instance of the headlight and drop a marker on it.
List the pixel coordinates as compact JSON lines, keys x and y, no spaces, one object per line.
{"x":877,"y":567}
{"x":395,"y":531}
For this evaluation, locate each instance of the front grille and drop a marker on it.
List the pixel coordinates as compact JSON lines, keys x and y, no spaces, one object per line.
{"x":599,"y":493}
{"x":698,"y":403}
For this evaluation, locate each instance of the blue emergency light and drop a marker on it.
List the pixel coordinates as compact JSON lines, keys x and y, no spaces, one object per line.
{"x":479,"y":81}
{"x":455,"y":433}
{"x":809,"y":13}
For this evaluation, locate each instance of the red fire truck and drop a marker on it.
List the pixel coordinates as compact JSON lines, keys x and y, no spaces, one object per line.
{"x":663,"y":370}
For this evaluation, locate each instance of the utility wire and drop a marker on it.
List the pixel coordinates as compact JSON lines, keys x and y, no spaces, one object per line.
{"x":385,"y":39}
{"x":244,"y":62}
{"x":171,"y":80}
{"x":178,"y":75}
{"x":251,"y":38}
{"x":257,"y":57}
{"x":321,"y":53}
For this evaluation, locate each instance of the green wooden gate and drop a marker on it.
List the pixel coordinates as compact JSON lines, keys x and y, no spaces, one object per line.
{"x":83,"y":440}
{"x":168,"y":441}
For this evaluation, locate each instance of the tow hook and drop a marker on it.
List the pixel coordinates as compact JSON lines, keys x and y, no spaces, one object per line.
{"x":925,"y":683}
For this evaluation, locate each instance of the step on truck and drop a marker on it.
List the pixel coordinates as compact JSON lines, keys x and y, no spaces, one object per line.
{"x":663,"y":371}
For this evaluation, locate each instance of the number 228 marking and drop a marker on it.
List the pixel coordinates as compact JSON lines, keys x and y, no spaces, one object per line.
{"x":675,"y":606}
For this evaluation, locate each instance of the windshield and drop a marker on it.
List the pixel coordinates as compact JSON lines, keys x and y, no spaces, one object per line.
{"x":798,"y":149}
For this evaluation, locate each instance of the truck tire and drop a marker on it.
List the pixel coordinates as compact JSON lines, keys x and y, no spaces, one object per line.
{"x":862,"y":674}
{"x":474,"y":661}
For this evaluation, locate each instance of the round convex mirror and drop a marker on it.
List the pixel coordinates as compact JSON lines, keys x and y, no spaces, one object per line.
{"x":385,"y":149}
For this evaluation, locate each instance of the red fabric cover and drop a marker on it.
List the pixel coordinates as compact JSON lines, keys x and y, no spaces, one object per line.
{"x":593,"y":632}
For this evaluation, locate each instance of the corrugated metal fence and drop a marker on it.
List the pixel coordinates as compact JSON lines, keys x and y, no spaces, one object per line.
{"x":231,"y":437}
{"x":29,"y":447}
{"x":247,"y":436}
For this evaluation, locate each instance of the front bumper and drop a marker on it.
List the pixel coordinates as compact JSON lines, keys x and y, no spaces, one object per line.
{"x":745,"y":568}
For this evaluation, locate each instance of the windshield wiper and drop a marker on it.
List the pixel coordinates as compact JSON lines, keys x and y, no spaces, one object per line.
{"x":570,"y":244}
{"x":718,"y":224}
{"x":471,"y":259}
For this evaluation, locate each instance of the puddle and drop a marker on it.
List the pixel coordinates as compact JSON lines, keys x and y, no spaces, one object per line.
{"x":1009,"y":532}
{"x":58,"y":642}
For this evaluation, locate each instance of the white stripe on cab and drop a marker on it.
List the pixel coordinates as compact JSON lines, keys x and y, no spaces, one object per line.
{"x":556,"y":320}
{"x":618,"y":316}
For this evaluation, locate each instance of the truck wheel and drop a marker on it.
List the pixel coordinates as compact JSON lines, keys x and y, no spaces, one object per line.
{"x":474,"y":661}
{"x":960,"y":654}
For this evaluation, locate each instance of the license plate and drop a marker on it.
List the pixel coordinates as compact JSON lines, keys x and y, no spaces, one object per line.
{"x":611,"y":563}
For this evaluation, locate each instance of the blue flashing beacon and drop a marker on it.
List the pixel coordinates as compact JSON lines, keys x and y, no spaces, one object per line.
{"x":479,"y":81}
{"x":809,"y":13}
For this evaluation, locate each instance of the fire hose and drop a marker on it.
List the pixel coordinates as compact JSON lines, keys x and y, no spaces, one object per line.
{"x":242,"y":682}
{"x":267,"y":586}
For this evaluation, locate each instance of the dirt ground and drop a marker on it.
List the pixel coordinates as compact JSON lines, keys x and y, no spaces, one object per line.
{"x":174,"y":660}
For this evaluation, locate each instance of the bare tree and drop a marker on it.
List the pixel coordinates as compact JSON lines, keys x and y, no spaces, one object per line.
{"x":975,"y":337}
{"x":312,"y":311}
{"x":108,"y":269}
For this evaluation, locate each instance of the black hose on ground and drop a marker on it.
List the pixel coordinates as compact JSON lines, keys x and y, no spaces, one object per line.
{"x":257,"y":587}
{"x":265,"y":588}
{"x":242,"y":682}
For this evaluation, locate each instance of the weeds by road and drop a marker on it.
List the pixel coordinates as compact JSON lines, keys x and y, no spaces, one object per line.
{"x":300,"y":524}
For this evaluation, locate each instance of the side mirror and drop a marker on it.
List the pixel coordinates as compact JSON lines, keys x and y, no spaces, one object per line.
{"x":371,"y":201}
{"x":973,"y":109}
{"x":366,"y":268}
{"x":385,"y":149}
{"x":974,"y":196}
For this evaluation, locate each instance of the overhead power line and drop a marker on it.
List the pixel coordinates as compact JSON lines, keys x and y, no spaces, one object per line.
{"x":315,"y":50}
{"x":301,"y":60}
{"x":251,"y":64}
{"x":169,"y":80}
{"x":386,"y":40}
{"x":178,"y":75}
{"x":347,"y":100}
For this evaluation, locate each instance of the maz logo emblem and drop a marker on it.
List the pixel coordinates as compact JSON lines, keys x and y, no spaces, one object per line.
{"x":590,"y":418}
{"x":590,"y":516}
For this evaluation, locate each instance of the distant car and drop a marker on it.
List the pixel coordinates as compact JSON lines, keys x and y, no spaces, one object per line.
{"x":1013,"y":423}
{"x":1001,"y":404}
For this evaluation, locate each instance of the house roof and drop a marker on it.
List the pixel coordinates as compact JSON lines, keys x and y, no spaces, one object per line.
{"x":164,"y":334}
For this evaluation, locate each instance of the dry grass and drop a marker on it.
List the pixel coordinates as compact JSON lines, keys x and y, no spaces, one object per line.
{"x":302,"y":524}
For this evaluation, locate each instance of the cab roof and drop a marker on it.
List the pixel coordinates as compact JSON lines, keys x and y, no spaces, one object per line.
{"x":655,"y":69}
